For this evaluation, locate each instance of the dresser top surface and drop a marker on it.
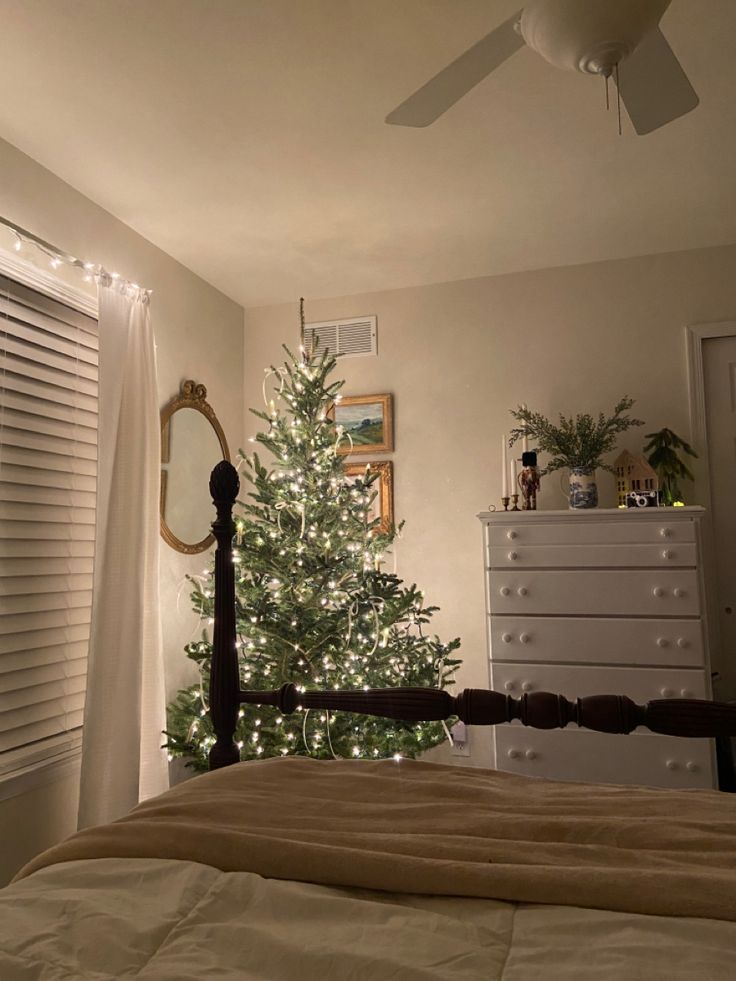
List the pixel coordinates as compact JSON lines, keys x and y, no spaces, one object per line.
{"x":595,"y":514}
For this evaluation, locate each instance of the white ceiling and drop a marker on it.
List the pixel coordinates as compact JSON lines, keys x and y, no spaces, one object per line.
{"x":246,"y":138}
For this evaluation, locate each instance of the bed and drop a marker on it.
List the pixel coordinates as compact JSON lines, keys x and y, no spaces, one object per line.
{"x":389,"y":869}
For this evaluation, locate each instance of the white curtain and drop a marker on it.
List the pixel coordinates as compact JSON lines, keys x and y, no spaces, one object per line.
{"x":122,"y":761}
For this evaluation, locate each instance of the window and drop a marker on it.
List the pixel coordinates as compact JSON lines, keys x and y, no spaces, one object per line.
{"x":48,"y":475}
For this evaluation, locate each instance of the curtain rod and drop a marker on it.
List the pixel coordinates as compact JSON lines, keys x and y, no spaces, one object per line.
{"x":57,"y":256}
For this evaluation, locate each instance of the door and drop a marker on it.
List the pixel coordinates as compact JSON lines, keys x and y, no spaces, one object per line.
{"x":719,"y":383}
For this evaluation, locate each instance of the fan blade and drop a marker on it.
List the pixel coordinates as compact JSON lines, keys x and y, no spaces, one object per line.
{"x":463,"y":74}
{"x":653,"y":86}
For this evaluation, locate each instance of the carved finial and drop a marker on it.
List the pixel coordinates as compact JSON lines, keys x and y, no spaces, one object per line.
{"x":193,"y":390}
{"x":224,"y":483}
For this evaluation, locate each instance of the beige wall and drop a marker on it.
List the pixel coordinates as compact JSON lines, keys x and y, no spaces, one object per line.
{"x":457,"y":355}
{"x":39,"y":817}
{"x":199,"y":334}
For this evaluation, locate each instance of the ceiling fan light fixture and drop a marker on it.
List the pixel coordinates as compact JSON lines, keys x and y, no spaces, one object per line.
{"x":591,"y":36}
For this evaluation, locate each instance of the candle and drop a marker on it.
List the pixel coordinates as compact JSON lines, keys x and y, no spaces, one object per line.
{"x":504,"y":469}
{"x":513,"y":477}
{"x":524,"y":438}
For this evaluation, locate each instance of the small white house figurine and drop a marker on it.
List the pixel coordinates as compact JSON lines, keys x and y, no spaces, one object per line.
{"x":634,"y":476}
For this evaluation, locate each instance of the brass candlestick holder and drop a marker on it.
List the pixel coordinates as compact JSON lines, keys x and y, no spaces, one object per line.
{"x":515,"y":502}
{"x":505,"y":502}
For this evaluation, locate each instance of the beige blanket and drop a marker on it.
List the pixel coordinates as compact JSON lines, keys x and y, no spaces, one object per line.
{"x":416,"y":827}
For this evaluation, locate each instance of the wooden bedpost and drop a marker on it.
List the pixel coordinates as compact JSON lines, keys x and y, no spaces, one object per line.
{"x":224,"y":674}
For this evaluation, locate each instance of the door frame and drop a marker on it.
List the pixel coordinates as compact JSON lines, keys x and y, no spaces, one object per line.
{"x":697,"y":334}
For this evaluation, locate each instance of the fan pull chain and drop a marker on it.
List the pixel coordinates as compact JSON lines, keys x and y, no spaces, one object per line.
{"x":618,"y":100}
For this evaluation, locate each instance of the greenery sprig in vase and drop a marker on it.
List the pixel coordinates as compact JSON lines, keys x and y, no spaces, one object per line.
{"x":577,"y":443}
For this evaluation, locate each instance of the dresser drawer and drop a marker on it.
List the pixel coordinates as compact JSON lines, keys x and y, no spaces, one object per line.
{"x":628,"y":527}
{"x":610,"y":640}
{"x":591,"y":556}
{"x":653,"y":593}
{"x":596,"y":757}
{"x":641,"y":684}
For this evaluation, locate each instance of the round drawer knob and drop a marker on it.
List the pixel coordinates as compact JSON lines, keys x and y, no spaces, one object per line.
{"x":530,"y":754}
{"x":524,"y":638}
{"x":666,"y":692}
{"x":672,"y":764}
{"x":657,"y":591}
{"x":686,"y":693}
{"x":513,"y":556}
{"x":513,"y":754}
{"x":683,"y":642}
{"x":522,"y":591}
{"x":665,"y":532}
{"x":506,"y":638}
{"x":511,"y":535}
{"x":526,"y":686}
{"x":509,"y":686}
{"x":667,"y":554}
{"x":504,"y":590}
{"x":678,"y":591}
{"x":692,"y":767}
{"x":662,"y":642}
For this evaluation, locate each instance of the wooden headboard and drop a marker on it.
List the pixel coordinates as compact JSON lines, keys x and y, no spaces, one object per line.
{"x":474,"y":706}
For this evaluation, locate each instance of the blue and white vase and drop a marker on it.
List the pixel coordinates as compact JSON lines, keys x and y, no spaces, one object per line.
{"x":583,"y":489}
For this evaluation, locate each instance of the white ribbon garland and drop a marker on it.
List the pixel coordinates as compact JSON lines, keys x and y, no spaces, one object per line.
{"x":329,"y":738}
{"x":353,"y":611}
{"x":269,"y":372}
{"x":286,"y":506}
{"x":340,"y":434}
{"x":304,"y":730}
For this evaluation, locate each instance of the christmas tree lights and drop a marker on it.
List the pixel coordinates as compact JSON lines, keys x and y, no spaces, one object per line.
{"x":313,"y":603}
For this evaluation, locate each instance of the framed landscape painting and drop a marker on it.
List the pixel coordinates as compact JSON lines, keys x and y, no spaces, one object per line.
{"x":382,"y":506}
{"x":368,"y":422}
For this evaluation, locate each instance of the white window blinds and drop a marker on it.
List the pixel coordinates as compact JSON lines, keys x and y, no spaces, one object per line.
{"x":48,"y":474}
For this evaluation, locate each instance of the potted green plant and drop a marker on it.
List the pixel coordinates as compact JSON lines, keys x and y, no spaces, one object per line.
{"x":577,"y":443}
{"x":662,"y":449}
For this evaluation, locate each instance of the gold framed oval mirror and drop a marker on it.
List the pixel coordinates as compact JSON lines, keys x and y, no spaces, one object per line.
{"x":192,"y":442}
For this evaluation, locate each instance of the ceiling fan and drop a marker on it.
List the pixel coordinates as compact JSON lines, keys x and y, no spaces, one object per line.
{"x":619,"y":38}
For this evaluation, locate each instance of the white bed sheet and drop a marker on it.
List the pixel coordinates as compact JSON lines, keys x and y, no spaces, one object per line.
{"x":165,"y":920}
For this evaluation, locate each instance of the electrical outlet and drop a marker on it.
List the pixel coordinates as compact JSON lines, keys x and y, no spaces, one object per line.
{"x":460,"y":739}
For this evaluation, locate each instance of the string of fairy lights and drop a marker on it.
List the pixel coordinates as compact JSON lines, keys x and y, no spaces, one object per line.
{"x":26,"y":243}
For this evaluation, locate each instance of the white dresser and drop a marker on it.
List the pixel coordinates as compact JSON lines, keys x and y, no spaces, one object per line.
{"x":598,"y":602}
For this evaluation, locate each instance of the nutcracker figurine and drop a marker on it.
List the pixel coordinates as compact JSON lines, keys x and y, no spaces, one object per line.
{"x":529,"y":481}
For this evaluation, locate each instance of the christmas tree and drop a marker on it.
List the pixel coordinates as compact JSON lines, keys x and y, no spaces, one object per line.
{"x":314,"y":605}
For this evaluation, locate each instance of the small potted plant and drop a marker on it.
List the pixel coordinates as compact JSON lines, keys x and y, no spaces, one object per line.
{"x":662,"y":449}
{"x":577,"y":443}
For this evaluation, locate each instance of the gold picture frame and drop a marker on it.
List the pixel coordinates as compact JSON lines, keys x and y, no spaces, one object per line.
{"x":383,"y":504}
{"x":367,"y":421}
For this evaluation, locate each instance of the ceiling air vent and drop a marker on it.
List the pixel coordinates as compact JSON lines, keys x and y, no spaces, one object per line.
{"x":343,"y":338}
